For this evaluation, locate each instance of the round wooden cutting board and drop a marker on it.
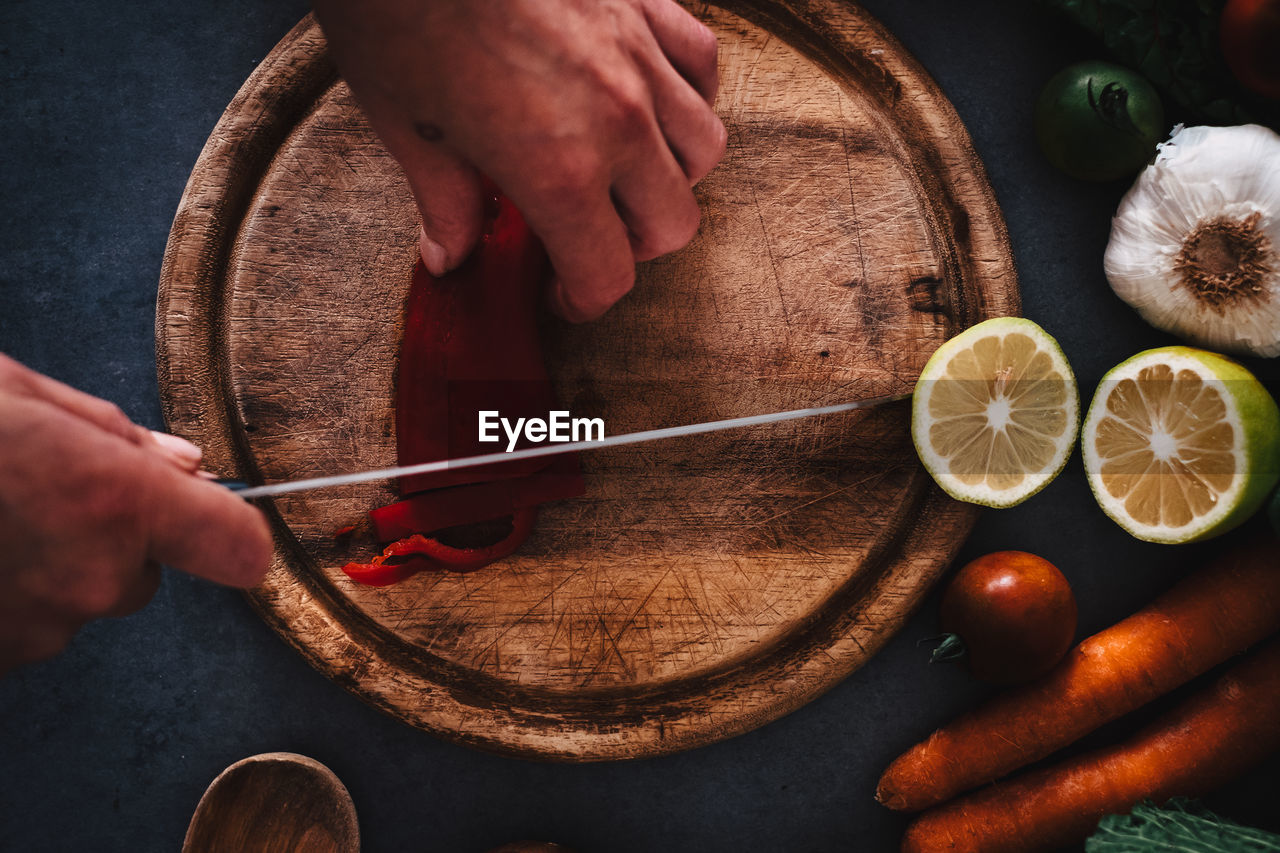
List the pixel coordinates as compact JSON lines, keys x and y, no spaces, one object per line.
{"x":701,"y":587}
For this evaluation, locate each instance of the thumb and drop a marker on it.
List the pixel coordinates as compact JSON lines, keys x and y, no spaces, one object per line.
{"x":203,"y":529}
{"x":448,"y":192}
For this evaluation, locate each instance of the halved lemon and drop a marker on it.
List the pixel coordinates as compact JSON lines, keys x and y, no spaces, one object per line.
{"x":1181,"y":444}
{"x":995,"y":412}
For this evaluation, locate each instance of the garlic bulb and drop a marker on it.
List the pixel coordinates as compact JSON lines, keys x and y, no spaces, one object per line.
{"x":1194,"y":245}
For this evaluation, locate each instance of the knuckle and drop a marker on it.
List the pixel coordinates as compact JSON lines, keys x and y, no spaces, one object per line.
{"x":687,"y":227}
{"x":570,"y":305}
{"x":632,"y":113}
{"x":675,"y":231}
{"x":719,"y":140}
{"x":706,"y":47}
{"x":568,"y":181}
{"x":588,"y":301}
{"x":113,"y":418}
{"x":620,"y":283}
{"x":631,"y":109}
{"x":704,"y":157}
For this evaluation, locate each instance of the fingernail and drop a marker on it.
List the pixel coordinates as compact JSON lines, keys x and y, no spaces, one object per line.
{"x":179,"y":447}
{"x":433,"y":254}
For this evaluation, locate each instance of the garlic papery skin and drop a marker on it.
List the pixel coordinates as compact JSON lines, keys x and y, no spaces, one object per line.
{"x":1195,"y":243}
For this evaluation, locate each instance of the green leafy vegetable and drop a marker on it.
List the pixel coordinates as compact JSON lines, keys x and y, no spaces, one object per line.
{"x":1179,"y":826}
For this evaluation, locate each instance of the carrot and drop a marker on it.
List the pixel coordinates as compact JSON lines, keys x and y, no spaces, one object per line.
{"x":1211,"y":615}
{"x":1207,"y":740}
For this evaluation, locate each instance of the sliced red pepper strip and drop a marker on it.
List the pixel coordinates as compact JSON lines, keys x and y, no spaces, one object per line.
{"x":408,"y":546}
{"x":424,"y":553}
{"x":429,"y":511}
{"x":468,"y":559}
{"x":379,"y":573}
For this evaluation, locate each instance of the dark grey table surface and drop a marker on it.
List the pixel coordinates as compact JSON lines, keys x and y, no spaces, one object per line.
{"x":105,"y":107}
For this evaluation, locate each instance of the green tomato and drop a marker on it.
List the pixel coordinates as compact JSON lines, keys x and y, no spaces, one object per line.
{"x":1099,"y":121}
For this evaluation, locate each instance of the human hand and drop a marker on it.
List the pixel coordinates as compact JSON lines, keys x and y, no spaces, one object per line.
{"x":90,"y":505}
{"x":593,"y":116}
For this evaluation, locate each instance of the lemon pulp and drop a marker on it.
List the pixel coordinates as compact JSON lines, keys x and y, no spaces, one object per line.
{"x":1166,"y":447}
{"x":995,"y":412}
{"x":1181,"y":444}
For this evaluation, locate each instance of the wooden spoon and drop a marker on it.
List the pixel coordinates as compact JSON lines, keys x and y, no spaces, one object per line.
{"x":277,"y":802}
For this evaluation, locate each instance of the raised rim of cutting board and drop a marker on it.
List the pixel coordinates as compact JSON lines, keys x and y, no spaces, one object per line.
{"x":190,"y":351}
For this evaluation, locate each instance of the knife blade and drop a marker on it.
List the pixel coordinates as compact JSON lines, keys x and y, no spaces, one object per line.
{"x":285,"y":487}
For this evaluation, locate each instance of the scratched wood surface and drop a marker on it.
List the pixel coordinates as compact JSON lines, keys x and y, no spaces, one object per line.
{"x":701,"y":587}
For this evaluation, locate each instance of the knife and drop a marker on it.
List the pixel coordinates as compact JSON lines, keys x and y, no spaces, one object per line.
{"x":270,"y":490}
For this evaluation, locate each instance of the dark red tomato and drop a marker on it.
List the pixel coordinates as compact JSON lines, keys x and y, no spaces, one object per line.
{"x":1250,"y":35}
{"x":1013,"y":613}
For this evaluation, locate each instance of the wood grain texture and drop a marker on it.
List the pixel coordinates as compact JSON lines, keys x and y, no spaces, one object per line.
{"x":702,"y":587}
{"x":276,"y":802}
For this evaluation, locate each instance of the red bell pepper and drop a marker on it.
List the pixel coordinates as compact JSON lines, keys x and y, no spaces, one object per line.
{"x":470,"y":344}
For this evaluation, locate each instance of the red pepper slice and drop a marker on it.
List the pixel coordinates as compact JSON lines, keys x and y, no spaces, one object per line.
{"x":434,"y":510}
{"x":378,"y":573}
{"x":466,"y":559}
{"x":425,"y":553}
